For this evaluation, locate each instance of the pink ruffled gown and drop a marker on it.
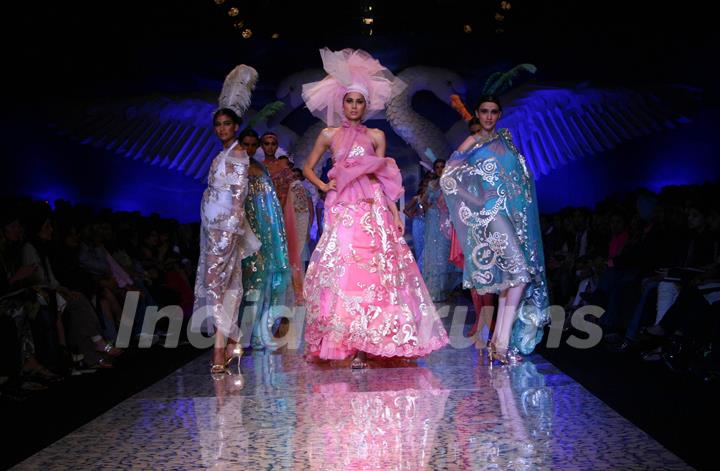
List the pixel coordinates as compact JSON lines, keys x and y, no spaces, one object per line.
{"x":363,"y":289}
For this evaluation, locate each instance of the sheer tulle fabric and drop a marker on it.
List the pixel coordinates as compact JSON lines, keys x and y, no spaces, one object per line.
{"x":350,"y":70}
{"x":363,"y":289}
{"x":493,"y":206}
{"x":355,"y":162}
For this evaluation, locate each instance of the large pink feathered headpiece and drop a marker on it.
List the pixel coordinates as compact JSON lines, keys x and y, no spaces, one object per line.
{"x":350,"y":70}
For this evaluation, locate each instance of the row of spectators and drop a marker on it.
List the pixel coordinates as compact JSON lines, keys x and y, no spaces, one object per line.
{"x":64,"y":276}
{"x":652,"y":261}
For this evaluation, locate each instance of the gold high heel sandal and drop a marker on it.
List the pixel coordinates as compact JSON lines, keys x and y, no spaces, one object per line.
{"x":505,"y":356}
{"x":222,"y":368}
{"x":237,"y":352}
{"x":486,"y":348}
{"x":217,"y":370}
{"x":496,"y":355}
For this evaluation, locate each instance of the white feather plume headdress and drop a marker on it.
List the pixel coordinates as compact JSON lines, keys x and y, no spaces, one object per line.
{"x":237,"y":89}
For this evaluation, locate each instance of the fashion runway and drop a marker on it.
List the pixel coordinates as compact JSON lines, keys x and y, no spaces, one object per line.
{"x":447,"y":411}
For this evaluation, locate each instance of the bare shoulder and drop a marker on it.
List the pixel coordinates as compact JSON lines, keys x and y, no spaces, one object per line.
{"x":374,"y":132}
{"x":327,"y":134}
{"x":377,"y":135}
{"x":466,"y":144}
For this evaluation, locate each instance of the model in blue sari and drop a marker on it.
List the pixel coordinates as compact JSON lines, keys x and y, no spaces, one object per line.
{"x":439,"y":274}
{"x":491,"y":198}
{"x":266,"y":275}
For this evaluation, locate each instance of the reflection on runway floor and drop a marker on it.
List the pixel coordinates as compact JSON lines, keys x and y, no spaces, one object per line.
{"x":448,"y":411}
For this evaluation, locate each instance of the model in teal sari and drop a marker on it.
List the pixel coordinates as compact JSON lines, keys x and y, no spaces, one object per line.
{"x":491,"y":198}
{"x":267,"y":274}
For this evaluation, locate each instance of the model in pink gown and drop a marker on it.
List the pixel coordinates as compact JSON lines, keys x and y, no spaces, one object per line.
{"x":363,"y":289}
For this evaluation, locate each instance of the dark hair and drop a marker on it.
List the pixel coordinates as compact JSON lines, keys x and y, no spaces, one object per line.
{"x":298,"y":171}
{"x":284,"y":157}
{"x":488,"y":99}
{"x":229,"y":113}
{"x":475,"y":121}
{"x":439,"y":160}
{"x":248,"y":132}
{"x":269,"y":133}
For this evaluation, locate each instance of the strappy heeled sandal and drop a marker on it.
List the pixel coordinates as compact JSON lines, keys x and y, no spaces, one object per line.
{"x":223,"y":368}
{"x":217,"y":370}
{"x":237,"y":352}
{"x":497,"y":355}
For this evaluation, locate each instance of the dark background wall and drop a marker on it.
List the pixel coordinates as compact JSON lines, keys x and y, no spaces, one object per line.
{"x":95,"y":51}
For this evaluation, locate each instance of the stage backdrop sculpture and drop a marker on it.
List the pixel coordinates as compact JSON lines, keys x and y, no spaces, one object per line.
{"x":553,"y":123}
{"x":424,"y":136}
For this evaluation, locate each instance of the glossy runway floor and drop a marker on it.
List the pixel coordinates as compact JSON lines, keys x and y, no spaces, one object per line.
{"x":447,"y":411}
